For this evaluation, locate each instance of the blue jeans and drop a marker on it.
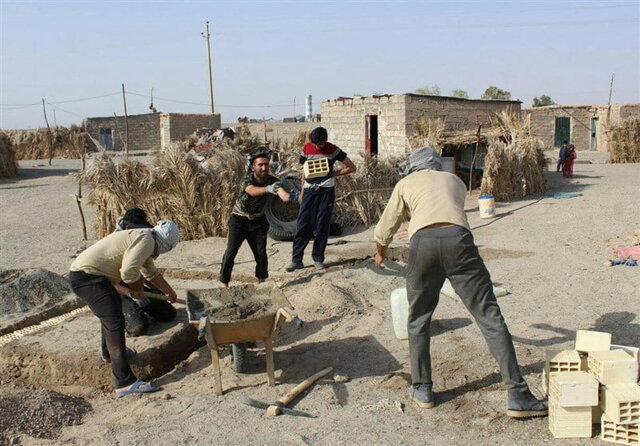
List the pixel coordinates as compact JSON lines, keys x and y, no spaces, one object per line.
{"x":313,"y":221}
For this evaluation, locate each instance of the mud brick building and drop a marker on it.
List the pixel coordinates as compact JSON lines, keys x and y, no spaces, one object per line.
{"x":582,"y":125}
{"x":150,"y":131}
{"x":383,"y":124}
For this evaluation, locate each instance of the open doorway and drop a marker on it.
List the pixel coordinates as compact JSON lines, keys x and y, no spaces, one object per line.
{"x":593,"y":140}
{"x":371,"y":135}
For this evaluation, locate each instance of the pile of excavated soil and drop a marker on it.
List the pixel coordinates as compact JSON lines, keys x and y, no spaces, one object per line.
{"x":38,"y":414}
{"x":30,"y":296}
{"x":24,"y":290}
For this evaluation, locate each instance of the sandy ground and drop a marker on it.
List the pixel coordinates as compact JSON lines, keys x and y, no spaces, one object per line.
{"x":547,"y":252}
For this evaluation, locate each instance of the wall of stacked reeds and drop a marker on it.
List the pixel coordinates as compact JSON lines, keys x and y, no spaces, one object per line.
{"x":68,"y":142}
{"x":514,"y":165}
{"x":624,"y":141}
{"x":8,"y":166}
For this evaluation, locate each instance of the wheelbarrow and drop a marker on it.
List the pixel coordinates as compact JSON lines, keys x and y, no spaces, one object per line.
{"x":238,"y":330}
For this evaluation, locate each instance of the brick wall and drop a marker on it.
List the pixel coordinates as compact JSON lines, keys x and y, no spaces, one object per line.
{"x":345,"y":119}
{"x":285,"y":131}
{"x":182,"y":125}
{"x":144,"y":130}
{"x":457,"y":113}
{"x":543,"y":122}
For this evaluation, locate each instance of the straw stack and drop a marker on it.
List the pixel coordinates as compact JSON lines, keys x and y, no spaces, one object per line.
{"x":624,"y":141}
{"x":8,"y":166}
{"x":34,"y":144}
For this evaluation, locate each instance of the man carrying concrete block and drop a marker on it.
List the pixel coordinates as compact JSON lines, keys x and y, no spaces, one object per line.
{"x":442,"y":247}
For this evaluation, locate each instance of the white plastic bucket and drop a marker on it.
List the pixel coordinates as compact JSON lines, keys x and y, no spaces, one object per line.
{"x":448,"y":164}
{"x":487,"y":206}
{"x":400,"y":312}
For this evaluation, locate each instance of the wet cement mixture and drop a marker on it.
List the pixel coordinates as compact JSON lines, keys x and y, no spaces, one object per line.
{"x":243,"y":309}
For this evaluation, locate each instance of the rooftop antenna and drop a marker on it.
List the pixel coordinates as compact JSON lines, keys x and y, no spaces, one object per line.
{"x":151,"y":107}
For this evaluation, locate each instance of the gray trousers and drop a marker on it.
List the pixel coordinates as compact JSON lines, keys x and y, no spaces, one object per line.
{"x":449,"y":252}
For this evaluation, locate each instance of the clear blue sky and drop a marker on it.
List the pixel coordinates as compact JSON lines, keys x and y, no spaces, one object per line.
{"x":265,"y":53}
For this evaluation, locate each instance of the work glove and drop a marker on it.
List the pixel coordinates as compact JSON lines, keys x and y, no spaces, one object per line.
{"x":273,"y":188}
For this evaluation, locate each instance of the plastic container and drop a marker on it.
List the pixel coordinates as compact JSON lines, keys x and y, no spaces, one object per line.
{"x":449,"y":164}
{"x":400,"y":312}
{"x":487,"y":206}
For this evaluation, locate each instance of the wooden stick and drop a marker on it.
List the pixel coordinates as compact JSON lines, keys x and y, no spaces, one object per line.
{"x":274,"y":410}
{"x":126,"y":125}
{"x":50,"y":137}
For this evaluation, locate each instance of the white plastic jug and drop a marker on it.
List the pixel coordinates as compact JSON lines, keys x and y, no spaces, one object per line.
{"x":400,"y":312}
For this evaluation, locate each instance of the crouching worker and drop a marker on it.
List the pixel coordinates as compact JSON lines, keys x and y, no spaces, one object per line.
{"x":441,"y":247}
{"x":137,"y":311}
{"x":247,"y":220}
{"x":95,"y":276}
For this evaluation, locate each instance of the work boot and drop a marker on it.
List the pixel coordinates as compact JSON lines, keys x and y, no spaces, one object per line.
{"x":422,"y":394}
{"x":522,"y":404}
{"x":293,"y":266}
{"x":318,"y":265}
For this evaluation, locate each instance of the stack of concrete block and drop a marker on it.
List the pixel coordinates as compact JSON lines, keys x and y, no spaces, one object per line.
{"x":611,"y":371}
{"x":571,"y":396}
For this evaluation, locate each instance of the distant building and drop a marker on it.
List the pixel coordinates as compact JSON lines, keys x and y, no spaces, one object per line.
{"x":150,"y":131}
{"x":582,"y":125}
{"x":383,"y":124}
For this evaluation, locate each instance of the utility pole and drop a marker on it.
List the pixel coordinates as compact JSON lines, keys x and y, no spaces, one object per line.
{"x":207,"y":36}
{"x":609,"y":101}
{"x":294,"y":109}
{"x":611,"y":88}
{"x":126,"y":125}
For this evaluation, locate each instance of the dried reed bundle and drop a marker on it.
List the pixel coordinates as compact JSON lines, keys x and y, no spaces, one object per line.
{"x":624,"y":141}
{"x":427,"y":132}
{"x":197,"y":195}
{"x":8,"y":166}
{"x":514,"y":163}
{"x":33,"y":144}
{"x":363,"y":195}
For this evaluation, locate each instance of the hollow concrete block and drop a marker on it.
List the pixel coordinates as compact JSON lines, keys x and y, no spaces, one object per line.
{"x":621,"y":403}
{"x":613,"y":367}
{"x":590,"y":341}
{"x":573,"y":389}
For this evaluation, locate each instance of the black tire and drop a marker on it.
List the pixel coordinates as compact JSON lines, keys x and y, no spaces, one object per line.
{"x":239,"y":357}
{"x":282,"y":216}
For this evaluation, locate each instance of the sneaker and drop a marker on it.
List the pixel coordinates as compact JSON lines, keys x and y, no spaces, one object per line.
{"x":422,"y":394}
{"x":319,"y":265}
{"x":522,"y":404}
{"x":293,"y":266}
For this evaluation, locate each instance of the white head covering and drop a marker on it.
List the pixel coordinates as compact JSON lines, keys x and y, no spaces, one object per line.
{"x":421,"y":159}
{"x":167,"y":236}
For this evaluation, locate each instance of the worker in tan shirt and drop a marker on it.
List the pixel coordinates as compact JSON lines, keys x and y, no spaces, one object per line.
{"x":441,"y":247}
{"x":95,"y":276}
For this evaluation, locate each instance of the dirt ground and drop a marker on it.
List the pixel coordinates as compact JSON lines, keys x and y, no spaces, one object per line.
{"x":548,"y":253}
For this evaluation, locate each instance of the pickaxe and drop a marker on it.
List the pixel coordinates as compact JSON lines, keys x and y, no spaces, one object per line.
{"x":280,"y":405}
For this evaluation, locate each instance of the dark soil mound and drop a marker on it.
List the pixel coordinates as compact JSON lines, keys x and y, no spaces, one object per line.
{"x":38,"y":413}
